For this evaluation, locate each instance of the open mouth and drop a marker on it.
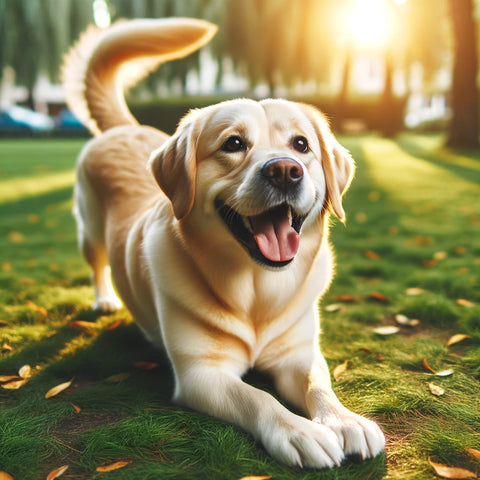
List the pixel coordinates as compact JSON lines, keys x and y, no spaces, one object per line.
{"x":271,"y":238}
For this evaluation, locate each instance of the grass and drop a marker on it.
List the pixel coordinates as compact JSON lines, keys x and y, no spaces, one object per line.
{"x":413,"y":222}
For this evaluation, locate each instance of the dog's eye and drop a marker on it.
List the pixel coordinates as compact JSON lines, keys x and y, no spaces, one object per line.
{"x":234,"y":144}
{"x":300,"y":144}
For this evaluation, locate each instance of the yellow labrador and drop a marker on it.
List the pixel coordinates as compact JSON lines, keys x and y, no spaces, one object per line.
{"x":223,"y":264}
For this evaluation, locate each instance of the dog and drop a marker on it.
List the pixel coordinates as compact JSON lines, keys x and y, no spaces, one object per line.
{"x":216,"y":239}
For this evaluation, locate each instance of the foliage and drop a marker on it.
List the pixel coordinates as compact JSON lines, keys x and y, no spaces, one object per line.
{"x":411,"y":246}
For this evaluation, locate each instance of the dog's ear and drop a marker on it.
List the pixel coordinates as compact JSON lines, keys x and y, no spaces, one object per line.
{"x":174,"y":166}
{"x":338,"y":165}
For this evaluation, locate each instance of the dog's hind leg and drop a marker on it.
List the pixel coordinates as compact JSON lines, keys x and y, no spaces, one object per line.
{"x":91,"y":241}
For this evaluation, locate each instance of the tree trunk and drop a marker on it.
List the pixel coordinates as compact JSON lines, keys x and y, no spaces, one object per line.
{"x":463,"y":130}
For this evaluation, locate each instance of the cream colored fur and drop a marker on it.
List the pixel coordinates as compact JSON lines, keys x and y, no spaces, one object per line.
{"x":189,"y":283}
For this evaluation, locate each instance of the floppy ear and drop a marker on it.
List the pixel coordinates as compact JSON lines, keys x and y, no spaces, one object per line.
{"x":338,"y":165}
{"x":174,"y":167}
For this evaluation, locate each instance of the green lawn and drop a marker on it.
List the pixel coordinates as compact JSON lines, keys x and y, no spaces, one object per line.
{"x":411,"y":246}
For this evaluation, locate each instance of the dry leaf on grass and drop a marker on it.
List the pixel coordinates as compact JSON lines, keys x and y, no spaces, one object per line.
{"x":386,"y":330}
{"x":445,"y":471}
{"x":119,"y":377}
{"x":14,"y":385}
{"x":340,"y":370}
{"x":465,"y":303}
{"x":427,"y":367}
{"x":379,"y":297}
{"x":333,"y":307}
{"x":254,"y":477}
{"x":33,"y":306}
{"x":444,"y":373}
{"x":25,"y":372}
{"x":113,"y":466}
{"x":5,"y":476}
{"x":76,"y":408}
{"x":82,"y":324}
{"x":457,"y":338}
{"x":404,"y":320}
{"x":435,"y":390}
{"x":57,"y":472}
{"x":146,"y":365}
{"x":346,"y":298}
{"x":371,"y":254}
{"x":473,"y":453}
{"x":414,"y":291}
{"x":8,"y":378}
{"x":58,"y":389}
{"x":114,"y":325}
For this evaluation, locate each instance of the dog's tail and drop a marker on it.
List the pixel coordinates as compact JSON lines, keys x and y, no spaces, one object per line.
{"x":104,"y":63}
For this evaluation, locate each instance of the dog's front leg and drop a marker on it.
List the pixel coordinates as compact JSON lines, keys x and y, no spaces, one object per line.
{"x":303,"y":379}
{"x":289,"y":438}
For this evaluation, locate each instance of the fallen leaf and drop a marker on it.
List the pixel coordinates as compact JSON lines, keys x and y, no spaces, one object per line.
{"x":58,"y":389}
{"x":36,"y":308}
{"x":451,"y":472}
{"x":386,"y":330}
{"x":77,"y":409}
{"x":340,"y":370}
{"x":379,"y":297}
{"x":460,"y":250}
{"x":408,"y":322}
{"x":5,"y":476}
{"x":3,"y":323}
{"x":426,"y":366}
{"x":114,"y":325}
{"x":14,"y":385}
{"x":119,"y":377}
{"x":440,"y":255}
{"x":346,"y":298}
{"x":113,"y":466}
{"x":255,"y":477}
{"x":435,"y":390}
{"x":25,"y":372}
{"x":146,"y":365}
{"x":429,"y":263}
{"x":16,"y":237}
{"x":444,"y":373}
{"x":371,"y":254}
{"x":6,"y":267}
{"x":465,"y":303}
{"x":6,"y":347}
{"x":57,"y":472}
{"x":458,"y":337}
{"x":8,"y":378}
{"x":473,"y":453}
{"x":414,"y":291}
{"x":82,"y":324}
{"x":334,"y":307}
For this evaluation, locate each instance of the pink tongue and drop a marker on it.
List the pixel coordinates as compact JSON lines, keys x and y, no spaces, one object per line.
{"x":275,"y":238}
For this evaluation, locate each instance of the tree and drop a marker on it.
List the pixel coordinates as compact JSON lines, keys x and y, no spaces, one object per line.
{"x":463,"y":129}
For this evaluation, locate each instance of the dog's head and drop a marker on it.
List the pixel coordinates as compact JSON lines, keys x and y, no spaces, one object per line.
{"x":262,"y":171}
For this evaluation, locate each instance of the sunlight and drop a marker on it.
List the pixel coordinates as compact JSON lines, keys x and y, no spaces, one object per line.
{"x":369,"y":23}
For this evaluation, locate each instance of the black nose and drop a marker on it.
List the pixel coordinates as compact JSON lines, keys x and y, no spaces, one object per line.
{"x":283,"y":173}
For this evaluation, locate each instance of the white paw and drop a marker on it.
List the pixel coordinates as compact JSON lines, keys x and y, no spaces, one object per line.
{"x":107,"y":304}
{"x":302,"y":443}
{"x":357,"y":435}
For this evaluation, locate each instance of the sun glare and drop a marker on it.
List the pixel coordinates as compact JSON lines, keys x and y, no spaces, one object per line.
{"x":369,"y":23}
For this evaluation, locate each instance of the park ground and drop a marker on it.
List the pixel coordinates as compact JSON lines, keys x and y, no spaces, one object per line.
{"x":408,"y":258}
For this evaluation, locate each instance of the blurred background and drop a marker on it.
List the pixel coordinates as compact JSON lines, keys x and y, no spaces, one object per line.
{"x":382,"y":65}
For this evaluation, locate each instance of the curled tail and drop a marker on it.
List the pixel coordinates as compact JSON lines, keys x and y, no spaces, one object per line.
{"x":103,"y":63}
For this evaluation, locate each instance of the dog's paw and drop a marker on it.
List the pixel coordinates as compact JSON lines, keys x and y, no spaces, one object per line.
{"x":303,"y":443}
{"x":357,"y":435}
{"x":107,"y":304}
